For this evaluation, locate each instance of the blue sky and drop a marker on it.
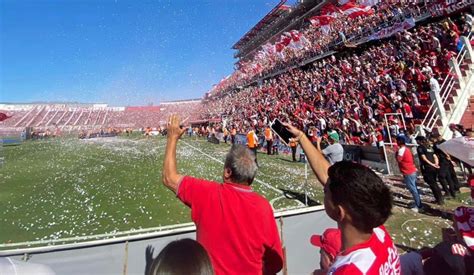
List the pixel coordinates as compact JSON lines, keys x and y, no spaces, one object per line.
{"x":119,"y":52}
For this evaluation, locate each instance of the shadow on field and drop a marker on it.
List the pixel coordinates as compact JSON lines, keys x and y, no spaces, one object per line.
{"x":427,"y":208}
{"x":398,"y":196}
{"x":298,"y":196}
{"x":402,"y":204}
{"x":435,"y":212}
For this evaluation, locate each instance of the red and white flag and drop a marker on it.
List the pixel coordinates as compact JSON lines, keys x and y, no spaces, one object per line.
{"x":330,"y":10}
{"x":279,"y":47}
{"x":285,"y":39}
{"x":296,"y":42}
{"x":321,"y":20}
{"x":353,"y":10}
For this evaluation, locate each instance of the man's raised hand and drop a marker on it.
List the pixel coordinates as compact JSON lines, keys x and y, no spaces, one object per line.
{"x":174,"y":130}
{"x":293,"y":130}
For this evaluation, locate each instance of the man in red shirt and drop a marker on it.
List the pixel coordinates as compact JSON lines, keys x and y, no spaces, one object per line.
{"x":408,"y":170}
{"x":234,"y":224}
{"x":359,"y":201}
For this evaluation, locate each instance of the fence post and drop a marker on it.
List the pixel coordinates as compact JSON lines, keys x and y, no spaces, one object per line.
{"x":438,"y":102}
{"x":455,"y":66}
{"x":468,"y":48}
{"x":125,"y":260}
{"x":386,"y":160}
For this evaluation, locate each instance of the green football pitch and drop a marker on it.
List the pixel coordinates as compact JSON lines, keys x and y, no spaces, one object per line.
{"x":62,"y":188}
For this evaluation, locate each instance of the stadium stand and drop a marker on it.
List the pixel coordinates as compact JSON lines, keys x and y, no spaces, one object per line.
{"x":78,"y":117}
{"x":349,"y":91}
{"x":322,"y":30}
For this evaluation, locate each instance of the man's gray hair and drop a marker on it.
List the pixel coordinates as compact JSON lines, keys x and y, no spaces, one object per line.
{"x":241,"y":161}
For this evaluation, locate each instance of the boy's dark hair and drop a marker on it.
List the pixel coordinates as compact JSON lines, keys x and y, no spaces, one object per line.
{"x":185,"y":256}
{"x":401,"y":139}
{"x":362,"y":193}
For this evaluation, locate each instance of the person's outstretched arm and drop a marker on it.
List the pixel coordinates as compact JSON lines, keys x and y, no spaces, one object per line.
{"x":170,"y":176}
{"x":316,"y":160}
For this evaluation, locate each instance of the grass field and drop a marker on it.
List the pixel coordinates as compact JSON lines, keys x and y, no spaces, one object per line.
{"x":68,"y":187}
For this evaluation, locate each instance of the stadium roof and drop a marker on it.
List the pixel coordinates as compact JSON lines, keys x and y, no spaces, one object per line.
{"x":276,"y":22}
{"x":279,"y":10}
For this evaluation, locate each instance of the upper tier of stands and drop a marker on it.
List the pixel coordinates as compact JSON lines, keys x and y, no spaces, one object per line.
{"x":332,"y":27}
{"x":351,"y":91}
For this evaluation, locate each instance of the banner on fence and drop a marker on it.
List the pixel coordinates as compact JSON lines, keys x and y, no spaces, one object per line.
{"x":352,"y":153}
{"x":446,"y":7}
{"x":395,"y":28}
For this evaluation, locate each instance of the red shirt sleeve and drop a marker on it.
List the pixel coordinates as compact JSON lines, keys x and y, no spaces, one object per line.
{"x":194,"y":193}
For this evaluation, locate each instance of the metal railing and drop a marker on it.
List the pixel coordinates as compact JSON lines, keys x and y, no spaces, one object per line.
{"x":447,"y":88}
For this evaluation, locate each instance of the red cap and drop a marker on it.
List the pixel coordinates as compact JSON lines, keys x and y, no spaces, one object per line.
{"x":330,"y":241}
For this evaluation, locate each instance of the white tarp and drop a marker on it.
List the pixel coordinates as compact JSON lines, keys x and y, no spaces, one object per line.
{"x":461,"y":148}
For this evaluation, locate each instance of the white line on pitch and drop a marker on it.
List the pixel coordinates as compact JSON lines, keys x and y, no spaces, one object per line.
{"x":275,"y":199}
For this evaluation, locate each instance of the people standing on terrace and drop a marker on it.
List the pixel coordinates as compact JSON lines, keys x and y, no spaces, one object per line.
{"x":407,"y":167}
{"x":269,"y":139}
{"x":429,"y":164}
{"x":252,"y":143}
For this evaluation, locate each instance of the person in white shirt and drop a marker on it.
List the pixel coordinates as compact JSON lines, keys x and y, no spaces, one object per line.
{"x":434,"y":84}
{"x":454,"y":129}
{"x":427,"y":69}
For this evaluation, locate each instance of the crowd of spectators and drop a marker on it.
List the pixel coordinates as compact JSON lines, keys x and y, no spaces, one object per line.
{"x":316,"y":41}
{"x":350,"y":92}
{"x":342,"y":30}
{"x":154,"y":116}
{"x":189,"y":110}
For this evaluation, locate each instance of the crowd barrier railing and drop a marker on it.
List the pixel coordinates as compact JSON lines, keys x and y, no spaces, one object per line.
{"x":124,"y":252}
{"x":436,"y":114}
